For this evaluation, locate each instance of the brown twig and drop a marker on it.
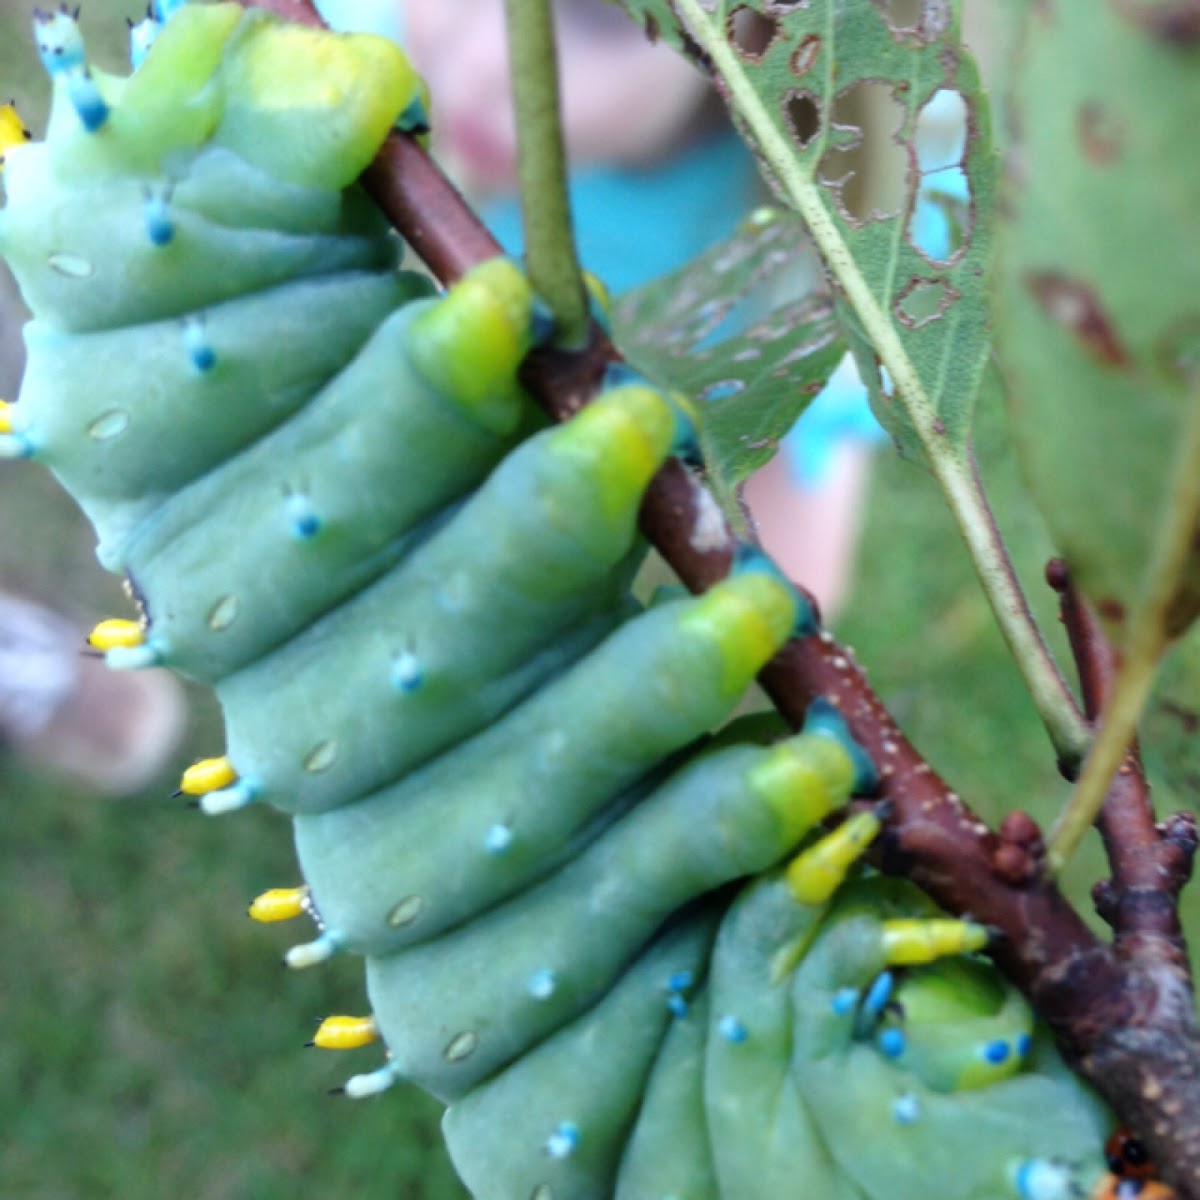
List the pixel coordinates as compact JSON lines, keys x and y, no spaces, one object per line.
{"x":1150,"y":1050}
{"x":1132,"y":1032}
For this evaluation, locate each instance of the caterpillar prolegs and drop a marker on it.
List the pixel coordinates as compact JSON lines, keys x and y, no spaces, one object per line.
{"x":334,"y":503}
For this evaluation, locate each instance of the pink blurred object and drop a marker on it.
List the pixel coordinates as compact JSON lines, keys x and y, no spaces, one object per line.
{"x":113,"y":733}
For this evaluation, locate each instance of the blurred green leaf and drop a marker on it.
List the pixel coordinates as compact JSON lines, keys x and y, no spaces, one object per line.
{"x":1097,"y":308}
{"x":1171,"y":732}
{"x":832,"y":98}
{"x":744,"y":331}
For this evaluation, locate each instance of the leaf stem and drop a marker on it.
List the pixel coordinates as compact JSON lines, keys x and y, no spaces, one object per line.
{"x":542,"y":167}
{"x":1052,"y":698}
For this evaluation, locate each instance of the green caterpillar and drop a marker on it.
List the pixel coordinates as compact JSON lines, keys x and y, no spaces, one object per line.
{"x":412,"y":601}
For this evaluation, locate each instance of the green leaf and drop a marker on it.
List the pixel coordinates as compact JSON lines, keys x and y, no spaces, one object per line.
{"x":1097,"y":306}
{"x":1100,"y":334}
{"x":830,"y":95}
{"x":708,"y":330}
{"x":1171,"y":743}
{"x":834,"y":97}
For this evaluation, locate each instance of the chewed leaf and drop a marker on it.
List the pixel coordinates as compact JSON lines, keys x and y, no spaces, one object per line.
{"x":869,"y":121}
{"x":748,"y":331}
{"x":1097,"y":305}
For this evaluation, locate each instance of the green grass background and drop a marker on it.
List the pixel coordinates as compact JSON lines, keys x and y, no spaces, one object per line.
{"x":150,"y":1043}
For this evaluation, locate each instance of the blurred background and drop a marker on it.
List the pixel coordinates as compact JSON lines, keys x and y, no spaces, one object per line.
{"x":150,"y":1043}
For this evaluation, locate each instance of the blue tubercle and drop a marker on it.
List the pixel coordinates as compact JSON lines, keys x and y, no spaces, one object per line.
{"x":164,"y":10}
{"x":498,"y":839}
{"x":732,"y":1030}
{"x":1043,"y":1179}
{"x":749,"y":557}
{"x":415,"y":118}
{"x":197,"y":345}
{"x":407,"y":675}
{"x":995,"y":1052}
{"x":142,"y":35}
{"x":824,"y":720}
{"x":879,"y":993}
{"x":844,"y":1000}
{"x":15,"y":445}
{"x":564,"y":1141}
{"x":59,"y":42}
{"x":906,"y":1109}
{"x":157,"y":216}
{"x":238,"y":795}
{"x":541,"y":984}
{"x":302,"y":517}
{"x":677,"y":1005}
{"x":86,"y":98}
{"x":680,"y":981}
{"x":891,"y":1042}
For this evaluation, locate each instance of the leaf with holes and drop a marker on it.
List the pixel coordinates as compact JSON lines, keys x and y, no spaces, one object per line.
{"x":1098,"y":311}
{"x":860,"y":115}
{"x":709,"y":329}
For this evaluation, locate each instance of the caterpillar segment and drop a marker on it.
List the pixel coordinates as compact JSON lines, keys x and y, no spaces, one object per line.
{"x":214,"y":605}
{"x":618,"y":944}
{"x":558,"y":1118}
{"x":420,"y":856}
{"x":722,"y":824}
{"x":667,"y":1153}
{"x":154,"y":423}
{"x":954,"y":1073}
{"x":762,"y":1135}
{"x":543,"y":551}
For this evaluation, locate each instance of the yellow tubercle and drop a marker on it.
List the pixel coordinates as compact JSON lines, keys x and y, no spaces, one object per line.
{"x":746,"y":618}
{"x":346,"y":1033}
{"x":310,"y":106}
{"x":469,"y":343}
{"x":279,"y":904}
{"x":5,"y":417}
{"x":12,"y":131}
{"x":207,"y":775}
{"x":816,"y":873}
{"x":803,"y":780}
{"x":910,"y":941}
{"x":623,"y":437}
{"x":117,"y":633}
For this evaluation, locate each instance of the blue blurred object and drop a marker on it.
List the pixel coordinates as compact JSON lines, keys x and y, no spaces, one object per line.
{"x":635,"y":223}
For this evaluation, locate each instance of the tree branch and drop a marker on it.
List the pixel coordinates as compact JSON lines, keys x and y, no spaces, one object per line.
{"x":1146,"y":1051}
